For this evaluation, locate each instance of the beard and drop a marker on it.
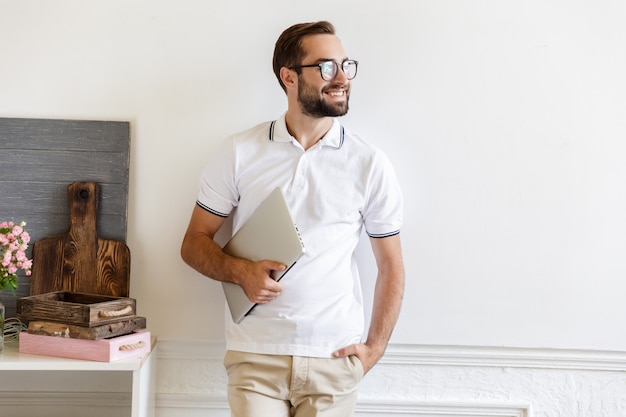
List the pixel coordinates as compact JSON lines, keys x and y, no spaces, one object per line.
{"x":315,"y":106}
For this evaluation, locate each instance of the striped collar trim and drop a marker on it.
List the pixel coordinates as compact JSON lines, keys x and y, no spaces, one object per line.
{"x":334,"y":137}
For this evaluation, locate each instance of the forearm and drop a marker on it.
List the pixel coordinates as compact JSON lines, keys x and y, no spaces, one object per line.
{"x":388,"y":292}
{"x":201,"y":253}
{"x":386,"y":308}
{"x":388,"y":296}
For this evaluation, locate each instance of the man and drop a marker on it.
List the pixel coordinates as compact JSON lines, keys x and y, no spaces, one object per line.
{"x":300,"y":352}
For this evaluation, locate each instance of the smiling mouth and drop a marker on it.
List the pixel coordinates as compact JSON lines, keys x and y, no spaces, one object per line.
{"x":337,"y":93}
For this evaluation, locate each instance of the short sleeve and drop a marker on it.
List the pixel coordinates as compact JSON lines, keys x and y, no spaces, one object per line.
{"x":217,"y":189}
{"x":383,"y":211}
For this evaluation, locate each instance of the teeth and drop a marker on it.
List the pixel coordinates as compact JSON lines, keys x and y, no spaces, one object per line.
{"x":336,"y":93}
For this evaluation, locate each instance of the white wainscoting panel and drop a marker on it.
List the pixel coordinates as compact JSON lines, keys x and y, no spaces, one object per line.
{"x":410,"y":381}
{"x":428,"y":381}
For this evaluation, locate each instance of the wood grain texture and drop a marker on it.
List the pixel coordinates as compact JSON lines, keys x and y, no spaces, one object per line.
{"x":79,"y":261}
{"x":87,"y":310}
{"x":120,"y":328}
{"x":40,"y":157}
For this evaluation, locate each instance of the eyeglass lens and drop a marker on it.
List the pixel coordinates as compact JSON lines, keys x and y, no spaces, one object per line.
{"x":329,"y":69}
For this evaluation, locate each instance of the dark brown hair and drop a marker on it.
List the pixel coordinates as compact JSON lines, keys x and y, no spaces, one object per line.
{"x":288,"y":50}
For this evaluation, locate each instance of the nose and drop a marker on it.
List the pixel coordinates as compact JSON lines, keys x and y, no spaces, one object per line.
{"x":341,"y":77}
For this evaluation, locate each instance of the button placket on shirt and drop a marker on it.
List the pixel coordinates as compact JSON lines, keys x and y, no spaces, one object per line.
{"x":300,"y":174}
{"x":303,"y":166}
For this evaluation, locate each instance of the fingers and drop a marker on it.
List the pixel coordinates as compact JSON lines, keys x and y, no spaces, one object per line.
{"x":265,"y":296}
{"x":346,"y":351}
{"x":270,"y":289}
{"x":361,"y":351}
{"x":258,"y":283}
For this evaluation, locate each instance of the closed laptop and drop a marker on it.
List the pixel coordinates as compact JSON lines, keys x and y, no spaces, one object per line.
{"x":269,"y":234}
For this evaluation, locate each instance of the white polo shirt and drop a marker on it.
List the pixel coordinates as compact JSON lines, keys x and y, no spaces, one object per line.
{"x":333,"y":189}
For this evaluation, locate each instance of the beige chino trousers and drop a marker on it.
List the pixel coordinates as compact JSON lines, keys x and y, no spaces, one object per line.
{"x":291,"y":386}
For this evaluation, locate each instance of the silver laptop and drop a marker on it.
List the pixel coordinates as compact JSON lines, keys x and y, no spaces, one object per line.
{"x":270,"y":233}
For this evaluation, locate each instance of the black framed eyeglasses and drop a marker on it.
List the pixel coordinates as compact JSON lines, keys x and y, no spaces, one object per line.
{"x":329,"y":69}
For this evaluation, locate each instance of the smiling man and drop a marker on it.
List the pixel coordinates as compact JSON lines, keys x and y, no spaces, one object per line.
{"x":303,"y":349}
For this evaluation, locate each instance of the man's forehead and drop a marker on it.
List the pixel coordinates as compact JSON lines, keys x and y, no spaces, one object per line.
{"x":322,"y":46}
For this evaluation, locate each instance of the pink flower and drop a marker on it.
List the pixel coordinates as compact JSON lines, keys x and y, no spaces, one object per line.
{"x":13,"y":244}
{"x":6,"y":260}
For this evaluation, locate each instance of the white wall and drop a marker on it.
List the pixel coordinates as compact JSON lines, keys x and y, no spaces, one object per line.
{"x":505,"y":120}
{"x":506,"y":124}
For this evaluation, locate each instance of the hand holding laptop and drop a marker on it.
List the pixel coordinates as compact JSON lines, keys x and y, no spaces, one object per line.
{"x":257,"y":282}
{"x":270,"y":234}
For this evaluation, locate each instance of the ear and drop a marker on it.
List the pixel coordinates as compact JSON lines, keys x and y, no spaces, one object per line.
{"x":288,"y":77}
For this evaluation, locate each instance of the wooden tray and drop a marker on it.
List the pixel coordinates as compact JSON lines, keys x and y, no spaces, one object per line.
{"x":105,"y":350}
{"x":105,"y":331}
{"x":76,"y":308}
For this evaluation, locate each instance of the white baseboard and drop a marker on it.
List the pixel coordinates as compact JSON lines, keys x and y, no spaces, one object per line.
{"x":203,"y":405}
{"x":212,"y":407}
{"x":443,"y":409}
{"x":367,"y":408}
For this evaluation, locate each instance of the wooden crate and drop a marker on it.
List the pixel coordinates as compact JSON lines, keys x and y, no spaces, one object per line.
{"x":80,"y":309}
{"x":104,"y":350}
{"x":104,"y":331}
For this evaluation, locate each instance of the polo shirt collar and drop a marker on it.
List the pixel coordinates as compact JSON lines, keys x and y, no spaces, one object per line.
{"x":334,"y":137}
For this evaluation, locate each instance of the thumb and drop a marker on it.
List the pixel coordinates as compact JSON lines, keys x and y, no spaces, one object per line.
{"x":346,"y":351}
{"x":276,"y":266}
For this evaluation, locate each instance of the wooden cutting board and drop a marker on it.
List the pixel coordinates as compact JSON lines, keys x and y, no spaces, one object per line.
{"x":79,"y":261}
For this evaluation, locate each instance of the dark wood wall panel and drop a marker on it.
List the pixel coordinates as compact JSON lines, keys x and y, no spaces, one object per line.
{"x":39,"y":158}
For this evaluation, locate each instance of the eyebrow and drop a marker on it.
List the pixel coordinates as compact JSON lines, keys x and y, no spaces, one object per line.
{"x":319,"y":61}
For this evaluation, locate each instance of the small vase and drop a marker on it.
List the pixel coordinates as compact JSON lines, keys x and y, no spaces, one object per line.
{"x":1,"y":326}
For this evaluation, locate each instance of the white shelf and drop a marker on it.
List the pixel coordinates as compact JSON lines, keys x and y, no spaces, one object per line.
{"x":143,"y":372}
